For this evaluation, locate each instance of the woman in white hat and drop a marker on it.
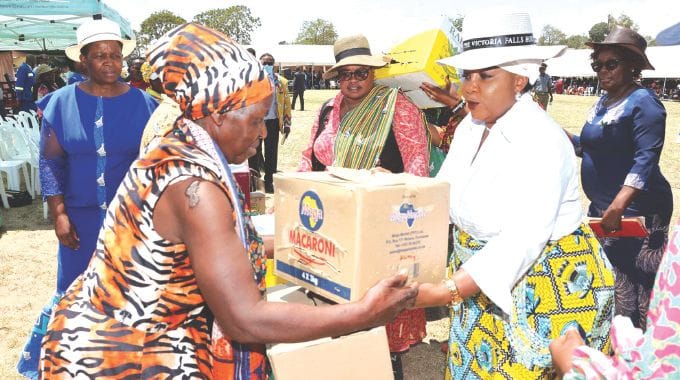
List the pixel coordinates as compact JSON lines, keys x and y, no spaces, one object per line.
{"x":524,"y":268}
{"x":367,"y":126}
{"x":90,"y":136}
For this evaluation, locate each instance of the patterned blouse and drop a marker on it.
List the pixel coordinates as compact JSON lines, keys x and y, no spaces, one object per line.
{"x":407,"y":125}
{"x":654,"y":354}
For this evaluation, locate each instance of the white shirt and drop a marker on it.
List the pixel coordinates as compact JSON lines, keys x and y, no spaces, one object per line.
{"x":520,"y":192}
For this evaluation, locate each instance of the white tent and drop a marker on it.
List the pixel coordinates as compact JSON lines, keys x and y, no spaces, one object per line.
{"x":576,"y":63}
{"x":299,"y":55}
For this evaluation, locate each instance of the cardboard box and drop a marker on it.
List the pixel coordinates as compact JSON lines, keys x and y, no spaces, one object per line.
{"x":414,"y":61}
{"x":361,"y":355}
{"x":340,"y":232}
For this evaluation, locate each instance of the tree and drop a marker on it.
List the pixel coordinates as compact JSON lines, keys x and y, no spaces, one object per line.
{"x":577,"y":41}
{"x":317,"y":32}
{"x":236,"y":21}
{"x":156,"y":25}
{"x":551,"y":36}
{"x":598,"y":32}
{"x":623,"y":20}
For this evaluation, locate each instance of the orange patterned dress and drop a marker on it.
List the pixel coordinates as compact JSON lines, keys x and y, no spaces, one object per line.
{"x":137,"y":311}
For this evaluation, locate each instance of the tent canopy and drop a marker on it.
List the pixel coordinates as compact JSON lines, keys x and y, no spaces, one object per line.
{"x":576,"y":63}
{"x":50,"y":24}
{"x":299,"y":55}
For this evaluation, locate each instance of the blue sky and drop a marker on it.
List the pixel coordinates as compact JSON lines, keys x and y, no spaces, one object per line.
{"x":387,"y":22}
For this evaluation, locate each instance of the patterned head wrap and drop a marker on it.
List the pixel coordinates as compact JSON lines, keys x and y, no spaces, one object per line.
{"x":206,"y":72}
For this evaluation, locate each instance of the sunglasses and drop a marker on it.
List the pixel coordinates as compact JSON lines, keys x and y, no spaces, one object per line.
{"x":268,"y":63}
{"x":361,"y":74}
{"x":610,"y":65}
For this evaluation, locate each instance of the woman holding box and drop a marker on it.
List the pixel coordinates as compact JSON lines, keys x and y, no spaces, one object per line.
{"x":367,"y":126}
{"x":524,"y":269}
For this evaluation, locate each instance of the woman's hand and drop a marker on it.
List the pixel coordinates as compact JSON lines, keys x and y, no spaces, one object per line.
{"x":447,"y":95}
{"x":66,"y":232}
{"x":611,"y":219}
{"x":562,"y":349}
{"x":388,"y":298}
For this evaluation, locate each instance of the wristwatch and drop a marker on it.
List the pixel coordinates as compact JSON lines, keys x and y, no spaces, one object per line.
{"x":453,"y":289}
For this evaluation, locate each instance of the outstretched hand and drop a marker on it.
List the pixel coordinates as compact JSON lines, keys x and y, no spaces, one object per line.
{"x":562,"y":349}
{"x":448,"y":95}
{"x":388,"y":298}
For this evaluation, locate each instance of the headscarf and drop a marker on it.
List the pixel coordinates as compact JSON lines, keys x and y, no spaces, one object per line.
{"x":205,"y":71}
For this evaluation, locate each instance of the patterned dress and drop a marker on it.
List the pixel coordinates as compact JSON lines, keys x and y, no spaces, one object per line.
{"x":654,"y":354}
{"x":569,"y":286}
{"x":137,"y":311}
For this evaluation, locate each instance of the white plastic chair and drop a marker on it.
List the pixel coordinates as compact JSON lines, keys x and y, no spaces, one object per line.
{"x":3,"y":195}
{"x":22,"y":148}
{"x":11,"y":165}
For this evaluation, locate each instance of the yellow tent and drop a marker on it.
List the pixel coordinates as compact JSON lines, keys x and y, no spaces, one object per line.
{"x":415,"y":61}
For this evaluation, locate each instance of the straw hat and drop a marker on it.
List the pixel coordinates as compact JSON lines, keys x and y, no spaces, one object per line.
{"x":42,"y":69}
{"x":98,"y":30}
{"x":493,"y":39}
{"x":353,"y":50}
{"x":628,"y":39}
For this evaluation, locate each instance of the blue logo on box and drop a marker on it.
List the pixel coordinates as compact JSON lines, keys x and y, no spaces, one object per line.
{"x":311,"y":211}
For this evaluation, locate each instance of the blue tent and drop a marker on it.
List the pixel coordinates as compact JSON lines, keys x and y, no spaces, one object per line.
{"x":50,"y":24}
{"x":669,"y":36}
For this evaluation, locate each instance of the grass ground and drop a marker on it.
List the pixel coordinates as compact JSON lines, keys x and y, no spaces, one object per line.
{"x":28,"y":244}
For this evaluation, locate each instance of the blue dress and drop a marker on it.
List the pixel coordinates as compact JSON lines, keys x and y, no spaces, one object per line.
{"x":100,"y":139}
{"x":621,"y":145}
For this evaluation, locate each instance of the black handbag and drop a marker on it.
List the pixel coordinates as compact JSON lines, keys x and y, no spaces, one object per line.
{"x":18,"y":198}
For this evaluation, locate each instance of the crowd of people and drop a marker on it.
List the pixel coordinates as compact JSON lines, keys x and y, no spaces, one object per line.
{"x":161,"y":271}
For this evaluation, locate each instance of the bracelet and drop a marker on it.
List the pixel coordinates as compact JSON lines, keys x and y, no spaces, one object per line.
{"x":453,"y":289}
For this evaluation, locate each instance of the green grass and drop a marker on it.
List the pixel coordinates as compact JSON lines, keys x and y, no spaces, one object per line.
{"x":568,"y":110}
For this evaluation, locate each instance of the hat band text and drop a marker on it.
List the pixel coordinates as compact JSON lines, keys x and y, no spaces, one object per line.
{"x":352,"y":52}
{"x":499,"y":41}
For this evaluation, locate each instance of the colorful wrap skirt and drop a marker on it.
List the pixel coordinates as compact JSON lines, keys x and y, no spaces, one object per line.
{"x":571,"y":285}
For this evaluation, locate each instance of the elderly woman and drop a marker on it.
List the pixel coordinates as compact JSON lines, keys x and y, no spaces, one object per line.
{"x":89,"y":137}
{"x":366,"y":126}
{"x":176,"y":250}
{"x":524,"y":269}
{"x":621,"y":143}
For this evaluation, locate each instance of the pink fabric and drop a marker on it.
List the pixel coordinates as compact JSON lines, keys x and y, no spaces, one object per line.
{"x":408,"y":128}
{"x":654,"y":354}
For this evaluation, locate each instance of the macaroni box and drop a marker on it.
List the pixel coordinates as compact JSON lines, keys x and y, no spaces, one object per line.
{"x":360,"y":355}
{"x":414,"y":61}
{"x":339,"y":232}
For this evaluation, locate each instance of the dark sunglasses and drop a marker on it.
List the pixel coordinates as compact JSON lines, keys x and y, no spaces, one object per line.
{"x":359,"y":75}
{"x":610,"y":65}
{"x":268,"y":63}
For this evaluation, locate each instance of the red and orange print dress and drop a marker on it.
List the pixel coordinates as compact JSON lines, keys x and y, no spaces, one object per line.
{"x":137,"y":311}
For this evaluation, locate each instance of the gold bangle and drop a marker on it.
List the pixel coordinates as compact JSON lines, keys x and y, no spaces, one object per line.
{"x":453,"y":289}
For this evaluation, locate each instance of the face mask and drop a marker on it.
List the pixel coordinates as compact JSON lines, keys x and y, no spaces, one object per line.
{"x":269,"y":70}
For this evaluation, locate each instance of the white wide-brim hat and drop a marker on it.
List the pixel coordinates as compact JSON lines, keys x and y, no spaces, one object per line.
{"x":98,"y":30}
{"x":353,"y":50}
{"x":494,"y":39}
